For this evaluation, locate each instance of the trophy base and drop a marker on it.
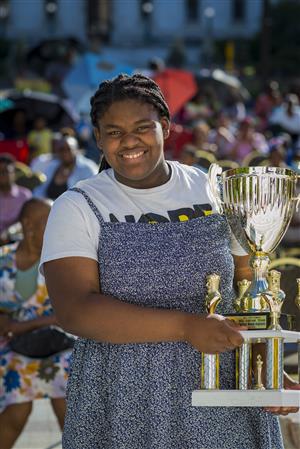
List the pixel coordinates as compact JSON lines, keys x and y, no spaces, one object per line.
{"x":262,"y":320}
{"x":246,"y":398}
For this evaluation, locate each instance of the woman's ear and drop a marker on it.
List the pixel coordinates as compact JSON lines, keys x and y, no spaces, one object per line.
{"x":97,"y":137}
{"x":165,"y":124}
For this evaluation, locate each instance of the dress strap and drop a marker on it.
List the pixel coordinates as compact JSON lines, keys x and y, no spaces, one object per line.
{"x":90,"y":203}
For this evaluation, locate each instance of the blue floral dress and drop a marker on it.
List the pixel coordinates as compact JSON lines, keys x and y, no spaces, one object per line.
{"x":24,"y":379}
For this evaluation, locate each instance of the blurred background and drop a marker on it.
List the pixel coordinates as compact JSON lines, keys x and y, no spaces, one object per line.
{"x":229,"y":69}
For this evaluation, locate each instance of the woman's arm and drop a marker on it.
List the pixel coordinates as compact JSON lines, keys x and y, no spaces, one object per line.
{"x":73,"y":286}
{"x":12,"y":327}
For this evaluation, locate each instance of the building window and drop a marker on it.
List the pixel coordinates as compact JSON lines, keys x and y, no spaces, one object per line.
{"x":238,"y":10}
{"x":192,"y":10}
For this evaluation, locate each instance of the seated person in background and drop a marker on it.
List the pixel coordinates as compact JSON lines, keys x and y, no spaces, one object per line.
{"x":12,"y":196}
{"x":188,"y":155}
{"x":247,"y":140}
{"x":18,"y":126}
{"x":200,"y":137}
{"x":197,"y":109}
{"x":25,"y":306}
{"x":266,"y":103}
{"x":222,"y":135}
{"x":41,"y":162}
{"x":66,"y":170}
{"x":40,"y":138}
{"x":277,"y":153}
{"x":286,"y":117}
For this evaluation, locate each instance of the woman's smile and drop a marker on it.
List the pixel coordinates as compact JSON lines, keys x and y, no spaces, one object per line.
{"x":133,"y":155}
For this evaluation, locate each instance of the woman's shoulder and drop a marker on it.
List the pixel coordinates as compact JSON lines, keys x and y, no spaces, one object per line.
{"x":191,"y":172}
{"x":75,"y":198}
{"x":86,"y":163}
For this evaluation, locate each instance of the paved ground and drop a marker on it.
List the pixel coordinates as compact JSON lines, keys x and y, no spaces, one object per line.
{"x":42,"y":430}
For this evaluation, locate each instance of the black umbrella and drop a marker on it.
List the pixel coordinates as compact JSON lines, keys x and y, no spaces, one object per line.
{"x":225,"y":86}
{"x":51,"y":50}
{"x":54,"y":109}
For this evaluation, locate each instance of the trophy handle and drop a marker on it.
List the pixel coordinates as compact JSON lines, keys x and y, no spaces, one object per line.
{"x":214,"y":171}
{"x":297,"y":198}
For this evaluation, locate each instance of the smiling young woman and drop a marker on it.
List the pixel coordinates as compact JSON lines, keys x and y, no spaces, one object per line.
{"x":131,"y":135}
{"x":126,"y":254}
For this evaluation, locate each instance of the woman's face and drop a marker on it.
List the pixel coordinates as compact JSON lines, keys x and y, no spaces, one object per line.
{"x":131,"y":135}
{"x":7,"y":175}
{"x":65,"y":153}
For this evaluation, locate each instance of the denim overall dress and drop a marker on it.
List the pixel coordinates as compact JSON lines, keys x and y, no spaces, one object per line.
{"x":138,"y":396}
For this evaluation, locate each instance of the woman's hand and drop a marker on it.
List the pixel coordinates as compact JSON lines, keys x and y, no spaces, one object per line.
{"x":213,"y":334}
{"x":5,"y":320}
{"x":11,"y":328}
{"x":289,"y":384}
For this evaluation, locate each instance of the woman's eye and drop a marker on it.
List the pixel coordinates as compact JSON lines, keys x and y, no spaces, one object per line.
{"x":114,"y":133}
{"x":142,"y":128}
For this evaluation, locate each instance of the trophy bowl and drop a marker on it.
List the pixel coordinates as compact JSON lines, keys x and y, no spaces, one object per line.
{"x":258,"y":203}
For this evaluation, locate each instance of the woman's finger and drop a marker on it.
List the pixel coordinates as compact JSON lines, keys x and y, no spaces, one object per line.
{"x":281,"y":410}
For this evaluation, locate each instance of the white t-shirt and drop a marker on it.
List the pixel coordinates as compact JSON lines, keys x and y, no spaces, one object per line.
{"x":73,"y":229}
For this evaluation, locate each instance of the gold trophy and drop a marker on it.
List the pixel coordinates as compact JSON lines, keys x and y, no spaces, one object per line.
{"x":258,"y":203}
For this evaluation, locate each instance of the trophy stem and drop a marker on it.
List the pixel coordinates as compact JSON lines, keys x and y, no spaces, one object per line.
{"x":253,"y":300}
{"x":274,"y":325}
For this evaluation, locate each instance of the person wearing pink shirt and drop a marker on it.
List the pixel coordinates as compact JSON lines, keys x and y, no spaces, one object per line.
{"x":12,"y":196}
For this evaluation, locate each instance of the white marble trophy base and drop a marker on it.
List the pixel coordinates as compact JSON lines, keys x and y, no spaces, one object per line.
{"x":246,"y":398}
{"x":288,"y":336}
{"x":251,"y":398}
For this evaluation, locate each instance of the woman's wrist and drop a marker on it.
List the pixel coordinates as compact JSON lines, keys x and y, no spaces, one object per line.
{"x":182,"y":325}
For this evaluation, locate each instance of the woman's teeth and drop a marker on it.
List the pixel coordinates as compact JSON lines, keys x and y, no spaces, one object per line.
{"x":133,"y":155}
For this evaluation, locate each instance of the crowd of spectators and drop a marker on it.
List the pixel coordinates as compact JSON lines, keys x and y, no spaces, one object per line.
{"x":204,"y":131}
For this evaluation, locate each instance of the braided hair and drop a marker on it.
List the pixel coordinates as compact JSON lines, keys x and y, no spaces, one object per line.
{"x":123,"y":87}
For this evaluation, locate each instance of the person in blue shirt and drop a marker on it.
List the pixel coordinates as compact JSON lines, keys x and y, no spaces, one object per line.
{"x":65,"y":170}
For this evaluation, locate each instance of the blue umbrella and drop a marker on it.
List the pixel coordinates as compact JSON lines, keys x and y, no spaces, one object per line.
{"x":89,"y":71}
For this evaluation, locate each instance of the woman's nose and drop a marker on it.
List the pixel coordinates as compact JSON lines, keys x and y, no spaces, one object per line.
{"x":129,"y":140}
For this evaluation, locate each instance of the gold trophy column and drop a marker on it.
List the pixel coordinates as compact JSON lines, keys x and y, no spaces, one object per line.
{"x":210,"y":362}
{"x":274,"y":297}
